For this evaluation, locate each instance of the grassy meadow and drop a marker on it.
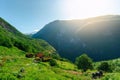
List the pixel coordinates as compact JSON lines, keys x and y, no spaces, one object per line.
{"x":13,"y":60}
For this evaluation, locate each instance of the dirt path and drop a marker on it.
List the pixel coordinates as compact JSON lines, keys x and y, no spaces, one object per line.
{"x":73,"y":72}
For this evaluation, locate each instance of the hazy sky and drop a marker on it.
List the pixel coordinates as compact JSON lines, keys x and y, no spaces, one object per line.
{"x":31,"y":15}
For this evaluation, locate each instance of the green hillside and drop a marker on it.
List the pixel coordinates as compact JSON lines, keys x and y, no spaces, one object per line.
{"x":8,"y":27}
{"x":15,"y":66}
{"x":11,"y":37}
{"x":13,"y":60}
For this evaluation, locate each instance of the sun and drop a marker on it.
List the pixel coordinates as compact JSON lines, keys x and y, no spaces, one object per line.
{"x":86,"y":8}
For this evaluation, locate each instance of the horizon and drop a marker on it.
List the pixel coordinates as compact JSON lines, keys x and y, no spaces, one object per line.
{"x":30,"y":16}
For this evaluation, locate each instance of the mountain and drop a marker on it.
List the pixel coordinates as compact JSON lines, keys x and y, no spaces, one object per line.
{"x":98,"y":37}
{"x":11,"y":37}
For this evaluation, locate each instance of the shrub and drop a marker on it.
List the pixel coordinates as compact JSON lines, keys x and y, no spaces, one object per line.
{"x":4,"y":41}
{"x":84,"y":62}
{"x":55,"y":56}
{"x":52,"y":62}
{"x":104,"y":66}
{"x":117,"y":69}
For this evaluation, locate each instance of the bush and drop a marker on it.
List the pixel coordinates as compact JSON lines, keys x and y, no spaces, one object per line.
{"x":104,"y":66}
{"x":117,"y":69}
{"x":52,"y":62}
{"x":55,"y":56}
{"x":4,"y":41}
{"x":84,"y":62}
{"x":7,"y":76}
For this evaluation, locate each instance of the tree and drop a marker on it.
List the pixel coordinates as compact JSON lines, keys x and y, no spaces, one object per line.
{"x":84,"y":62}
{"x":104,"y":66}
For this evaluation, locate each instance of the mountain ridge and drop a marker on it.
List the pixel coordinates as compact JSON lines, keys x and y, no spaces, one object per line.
{"x":98,"y":37}
{"x":11,"y":37}
{"x":9,"y":27}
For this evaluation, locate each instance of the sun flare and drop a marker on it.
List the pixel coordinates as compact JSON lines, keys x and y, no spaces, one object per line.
{"x":86,"y":8}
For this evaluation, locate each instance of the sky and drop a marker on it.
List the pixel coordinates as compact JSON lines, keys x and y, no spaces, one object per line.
{"x":32,"y":15}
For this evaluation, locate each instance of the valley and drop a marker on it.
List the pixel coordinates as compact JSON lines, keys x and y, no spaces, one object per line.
{"x":14,"y":65}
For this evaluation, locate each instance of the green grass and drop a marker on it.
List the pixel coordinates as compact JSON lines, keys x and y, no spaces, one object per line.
{"x":111,"y":76}
{"x":12,"y":60}
{"x":66,"y":65}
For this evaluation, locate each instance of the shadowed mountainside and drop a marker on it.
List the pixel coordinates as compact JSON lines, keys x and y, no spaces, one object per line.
{"x":98,"y":37}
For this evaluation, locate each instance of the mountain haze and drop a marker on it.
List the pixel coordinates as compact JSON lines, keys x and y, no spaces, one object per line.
{"x":98,"y":37}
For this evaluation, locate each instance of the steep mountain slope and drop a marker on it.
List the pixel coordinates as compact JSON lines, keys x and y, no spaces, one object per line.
{"x":8,"y":27}
{"x":11,"y":37}
{"x":98,"y":37}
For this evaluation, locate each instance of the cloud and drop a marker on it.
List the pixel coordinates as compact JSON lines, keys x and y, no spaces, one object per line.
{"x":36,"y":30}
